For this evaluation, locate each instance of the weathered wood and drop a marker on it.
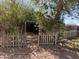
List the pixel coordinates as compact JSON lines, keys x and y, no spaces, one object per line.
{"x":45,"y":39}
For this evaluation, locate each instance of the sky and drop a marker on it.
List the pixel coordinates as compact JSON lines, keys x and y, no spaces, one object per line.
{"x":67,"y":20}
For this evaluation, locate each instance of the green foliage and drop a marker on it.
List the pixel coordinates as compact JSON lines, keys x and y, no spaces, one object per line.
{"x":13,"y":14}
{"x":53,"y":19}
{"x":48,"y":24}
{"x":72,"y":44}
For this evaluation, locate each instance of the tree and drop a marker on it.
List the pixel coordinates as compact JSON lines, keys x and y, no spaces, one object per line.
{"x":13,"y":14}
{"x":17,"y":13}
{"x":55,"y":9}
{"x":52,"y":20}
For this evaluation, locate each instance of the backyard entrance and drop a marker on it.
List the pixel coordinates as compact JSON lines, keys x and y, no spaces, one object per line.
{"x":32,"y":27}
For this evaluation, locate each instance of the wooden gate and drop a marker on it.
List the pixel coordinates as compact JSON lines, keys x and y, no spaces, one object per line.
{"x":47,"y":39}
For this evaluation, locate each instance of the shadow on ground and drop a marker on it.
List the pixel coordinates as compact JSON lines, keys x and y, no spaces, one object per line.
{"x":15,"y":53}
{"x":38,"y":52}
{"x":62,"y":53}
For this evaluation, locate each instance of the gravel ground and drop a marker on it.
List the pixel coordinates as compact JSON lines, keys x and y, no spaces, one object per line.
{"x":41,"y":53}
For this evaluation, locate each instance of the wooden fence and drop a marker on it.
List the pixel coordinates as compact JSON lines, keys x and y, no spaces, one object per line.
{"x":70,"y":34}
{"x":54,"y":38}
{"x":13,"y":40}
{"x":20,"y":40}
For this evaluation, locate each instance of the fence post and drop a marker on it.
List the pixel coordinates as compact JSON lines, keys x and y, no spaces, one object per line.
{"x":39,"y":33}
{"x":55,"y":38}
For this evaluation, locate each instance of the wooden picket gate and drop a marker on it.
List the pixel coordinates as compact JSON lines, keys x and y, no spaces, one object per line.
{"x":46,"y":39}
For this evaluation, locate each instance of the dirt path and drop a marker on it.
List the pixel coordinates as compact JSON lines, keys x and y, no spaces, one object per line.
{"x":41,"y":53}
{"x":54,"y":54}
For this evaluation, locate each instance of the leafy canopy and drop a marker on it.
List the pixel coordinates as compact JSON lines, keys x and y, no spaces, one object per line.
{"x":54,"y":10}
{"x":13,"y":14}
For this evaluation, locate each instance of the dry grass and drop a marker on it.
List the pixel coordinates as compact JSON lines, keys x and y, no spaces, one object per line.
{"x":72,"y":44}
